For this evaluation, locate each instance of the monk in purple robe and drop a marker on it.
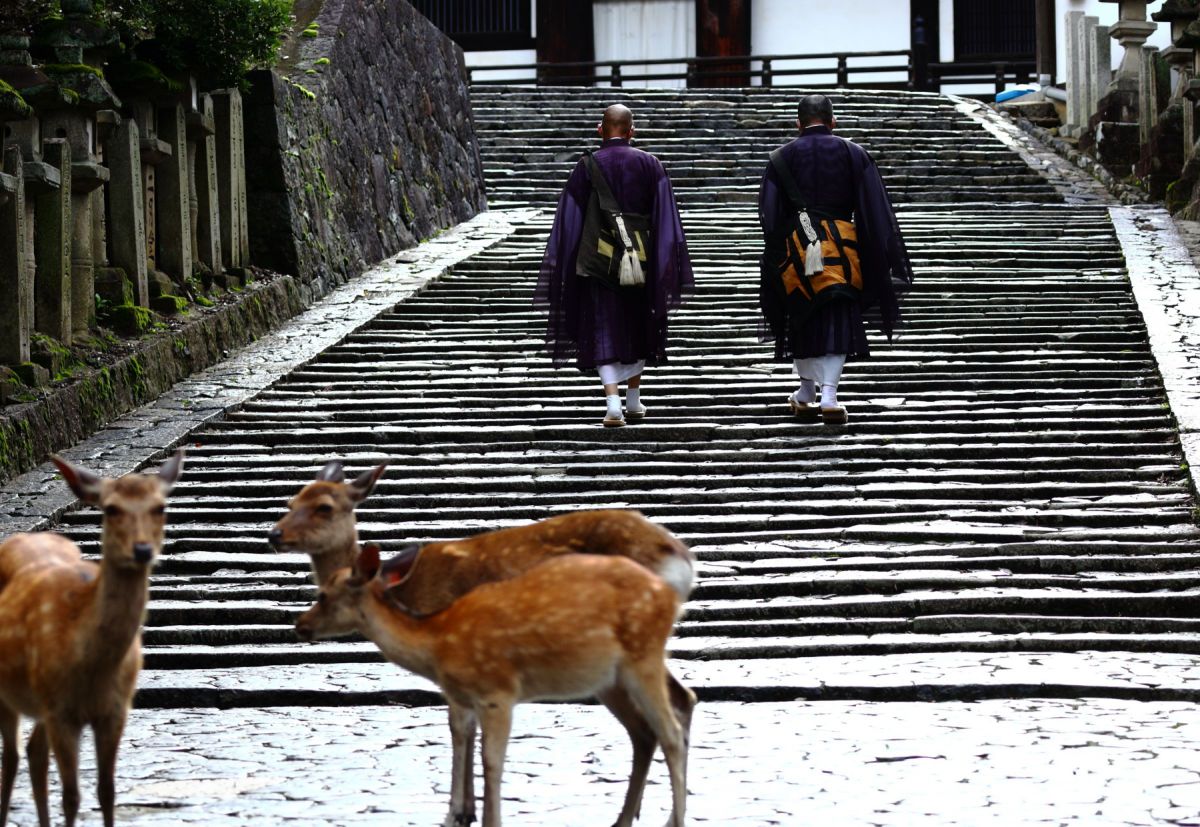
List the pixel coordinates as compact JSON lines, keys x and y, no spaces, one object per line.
{"x":814,"y":316}
{"x":612,"y":330}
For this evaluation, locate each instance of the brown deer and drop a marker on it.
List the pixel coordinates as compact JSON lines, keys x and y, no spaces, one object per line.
{"x":576,"y":625}
{"x":70,"y":634}
{"x":426,"y":580}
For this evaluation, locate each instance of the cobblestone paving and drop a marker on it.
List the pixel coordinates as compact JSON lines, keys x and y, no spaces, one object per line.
{"x":829,"y":764}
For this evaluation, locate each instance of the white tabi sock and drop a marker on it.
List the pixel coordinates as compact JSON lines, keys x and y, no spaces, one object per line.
{"x":829,"y":396}
{"x":807,"y":392}
{"x":614,"y":406}
{"x":633,"y":399}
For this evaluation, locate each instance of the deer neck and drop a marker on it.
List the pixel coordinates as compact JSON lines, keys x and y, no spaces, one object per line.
{"x":404,"y":640}
{"x":332,"y":559}
{"x":118,"y":608}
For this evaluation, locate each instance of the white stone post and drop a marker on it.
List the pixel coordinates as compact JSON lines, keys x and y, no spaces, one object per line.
{"x":1076,"y":74}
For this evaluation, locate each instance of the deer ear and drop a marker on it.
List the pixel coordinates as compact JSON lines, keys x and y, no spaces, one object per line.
{"x":83,"y":482}
{"x":332,"y":472}
{"x":364,"y":484}
{"x":170,"y":470}
{"x":367,"y":564}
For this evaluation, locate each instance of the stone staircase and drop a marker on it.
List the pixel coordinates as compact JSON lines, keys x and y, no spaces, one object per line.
{"x":714,"y":142}
{"x":1008,"y":492}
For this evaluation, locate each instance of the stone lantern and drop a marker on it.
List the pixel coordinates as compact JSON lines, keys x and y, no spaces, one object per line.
{"x":1131,"y":30}
{"x":1181,"y":57}
{"x":38,"y":210}
{"x":15,"y":320}
{"x":78,"y":44}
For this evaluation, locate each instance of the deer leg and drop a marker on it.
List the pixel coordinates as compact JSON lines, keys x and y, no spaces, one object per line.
{"x":64,"y":741}
{"x":108,"y":739}
{"x":683,"y":701}
{"x":462,"y":773}
{"x":647,"y":684}
{"x":9,"y":731}
{"x":496,"y":721}
{"x":642,"y":736}
{"x":37,"y":751}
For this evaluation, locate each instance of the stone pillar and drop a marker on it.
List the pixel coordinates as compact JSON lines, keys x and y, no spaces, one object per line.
{"x":1100,"y":66}
{"x":1148,"y":95}
{"x":1131,"y":30}
{"x":128,"y":208}
{"x":208,"y":218}
{"x":52,"y":242}
{"x":202,"y":172}
{"x":231,"y":177}
{"x":16,"y":312}
{"x":1077,"y":75}
{"x":174,"y":216}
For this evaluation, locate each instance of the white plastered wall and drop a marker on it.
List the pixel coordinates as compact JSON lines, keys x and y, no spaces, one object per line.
{"x":783,"y":27}
{"x":645,"y":30}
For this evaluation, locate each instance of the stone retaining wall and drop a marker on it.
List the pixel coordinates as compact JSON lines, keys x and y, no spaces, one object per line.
{"x":362,"y":143}
{"x":29,"y":432}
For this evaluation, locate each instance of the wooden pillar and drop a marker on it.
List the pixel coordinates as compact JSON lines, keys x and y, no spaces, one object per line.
{"x":1047,"y":55}
{"x":722,"y":30}
{"x":925,"y":32}
{"x":565,"y":34}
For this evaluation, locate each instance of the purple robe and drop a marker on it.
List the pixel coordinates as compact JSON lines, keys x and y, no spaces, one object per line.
{"x":838,"y":179}
{"x":592,"y":324}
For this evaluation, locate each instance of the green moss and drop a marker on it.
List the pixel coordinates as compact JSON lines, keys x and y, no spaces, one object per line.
{"x":11,"y":100}
{"x":142,"y":73}
{"x":204,"y":301}
{"x":130,"y":319}
{"x":71,"y":69}
{"x":16,"y":444}
{"x":321,"y":61}
{"x":308,"y":93}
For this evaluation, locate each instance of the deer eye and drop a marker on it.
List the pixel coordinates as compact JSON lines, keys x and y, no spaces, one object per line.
{"x":321,"y":599}
{"x":159,"y":511}
{"x":111,"y":511}
{"x":325,"y":509}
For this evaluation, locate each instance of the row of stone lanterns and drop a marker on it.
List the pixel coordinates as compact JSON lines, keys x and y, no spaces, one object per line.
{"x":1136,"y":124}
{"x":125,"y":185}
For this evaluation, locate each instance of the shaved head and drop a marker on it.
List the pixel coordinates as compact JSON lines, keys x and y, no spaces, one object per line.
{"x":617,"y":122}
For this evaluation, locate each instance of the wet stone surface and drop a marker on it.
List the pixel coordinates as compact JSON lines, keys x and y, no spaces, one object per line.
{"x":33,"y":500}
{"x":993,"y":762}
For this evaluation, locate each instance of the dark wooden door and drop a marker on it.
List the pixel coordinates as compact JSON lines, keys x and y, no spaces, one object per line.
{"x":481,"y":25}
{"x":722,"y":30}
{"x":995,"y":30}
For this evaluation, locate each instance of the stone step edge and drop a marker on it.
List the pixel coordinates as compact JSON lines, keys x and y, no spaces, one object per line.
{"x":42,"y":498}
{"x":201,"y":697}
{"x":912,"y":677}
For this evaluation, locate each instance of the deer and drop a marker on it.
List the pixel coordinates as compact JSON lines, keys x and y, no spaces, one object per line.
{"x":576,"y":625}
{"x":70,"y":634}
{"x":426,"y":580}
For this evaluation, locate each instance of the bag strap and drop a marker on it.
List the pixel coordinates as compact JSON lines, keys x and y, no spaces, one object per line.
{"x":793,"y":193}
{"x":607,"y":202}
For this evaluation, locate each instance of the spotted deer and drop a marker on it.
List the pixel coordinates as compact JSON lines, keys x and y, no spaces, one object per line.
{"x":427,"y":580}
{"x":70,"y":634}
{"x":574,"y":626}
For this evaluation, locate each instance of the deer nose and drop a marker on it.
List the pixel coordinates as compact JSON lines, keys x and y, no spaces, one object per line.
{"x":304,"y":632}
{"x":275,"y":536}
{"x":142,"y":552}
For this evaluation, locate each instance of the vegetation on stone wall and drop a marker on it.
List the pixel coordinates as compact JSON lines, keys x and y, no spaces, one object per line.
{"x":217,"y":40}
{"x":17,"y":16}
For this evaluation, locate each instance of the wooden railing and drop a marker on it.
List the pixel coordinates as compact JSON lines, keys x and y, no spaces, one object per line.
{"x":698,"y":69}
{"x":999,"y":73}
